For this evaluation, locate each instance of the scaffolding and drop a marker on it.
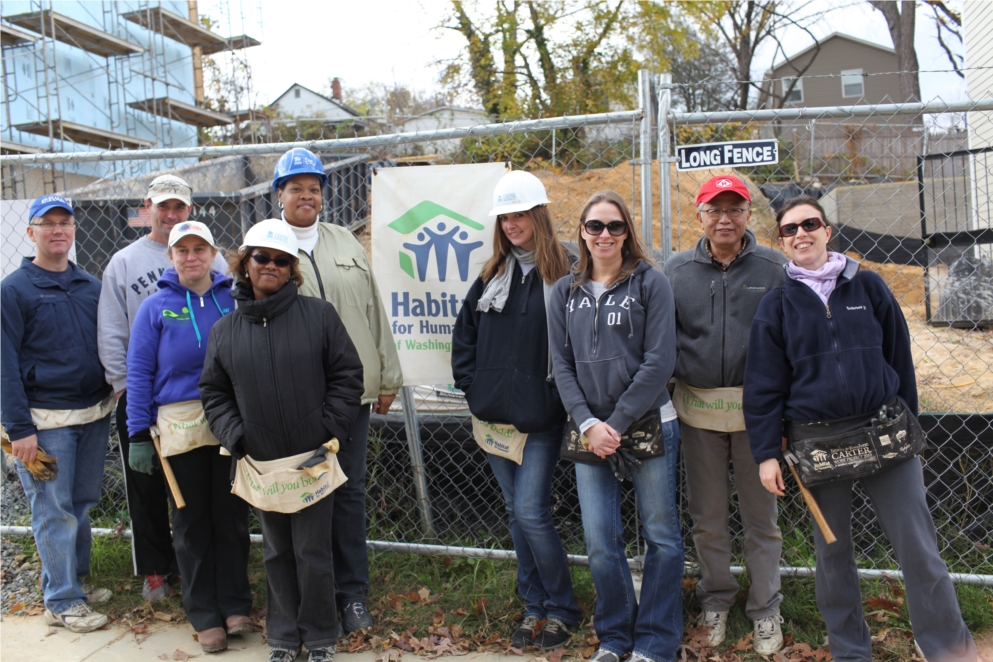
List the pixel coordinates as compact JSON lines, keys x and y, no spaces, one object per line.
{"x":151,"y":58}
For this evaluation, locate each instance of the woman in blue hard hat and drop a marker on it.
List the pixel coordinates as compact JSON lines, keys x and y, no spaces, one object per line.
{"x":280,"y":380}
{"x":500,"y":359}
{"x":335,"y":268}
{"x":165,"y":359}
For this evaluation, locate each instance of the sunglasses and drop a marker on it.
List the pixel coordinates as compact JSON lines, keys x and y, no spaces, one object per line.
{"x":615,"y":228}
{"x":281,"y":262}
{"x":808,"y":225}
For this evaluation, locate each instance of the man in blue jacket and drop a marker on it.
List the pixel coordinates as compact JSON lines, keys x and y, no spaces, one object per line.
{"x":55,"y":397}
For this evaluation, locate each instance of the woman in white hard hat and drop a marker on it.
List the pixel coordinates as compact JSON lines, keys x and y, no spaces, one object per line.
{"x":165,"y":359}
{"x":282,"y":378}
{"x":613,"y":336}
{"x":500,"y":359}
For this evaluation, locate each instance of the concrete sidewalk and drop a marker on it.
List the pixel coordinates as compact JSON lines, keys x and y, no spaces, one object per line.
{"x":27,"y":638}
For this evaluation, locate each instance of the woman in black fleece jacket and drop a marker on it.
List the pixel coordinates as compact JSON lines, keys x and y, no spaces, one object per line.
{"x":832,"y":343}
{"x":281,"y":377}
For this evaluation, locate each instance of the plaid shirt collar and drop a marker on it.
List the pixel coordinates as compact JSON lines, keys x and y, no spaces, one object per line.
{"x":725,"y":267}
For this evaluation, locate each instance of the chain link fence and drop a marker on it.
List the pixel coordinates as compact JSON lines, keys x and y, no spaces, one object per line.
{"x":918,"y":216}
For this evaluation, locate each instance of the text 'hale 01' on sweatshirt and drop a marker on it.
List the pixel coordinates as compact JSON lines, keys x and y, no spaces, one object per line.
{"x":131,"y":276}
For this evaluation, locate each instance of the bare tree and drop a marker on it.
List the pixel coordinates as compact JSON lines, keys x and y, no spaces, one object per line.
{"x":948,"y":21}
{"x":900,"y":19}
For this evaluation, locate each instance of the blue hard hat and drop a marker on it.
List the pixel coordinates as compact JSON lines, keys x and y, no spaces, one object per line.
{"x":297,"y":161}
{"x":46,"y":203}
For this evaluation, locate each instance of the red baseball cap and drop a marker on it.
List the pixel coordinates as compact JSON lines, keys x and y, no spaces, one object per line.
{"x":720,"y":184}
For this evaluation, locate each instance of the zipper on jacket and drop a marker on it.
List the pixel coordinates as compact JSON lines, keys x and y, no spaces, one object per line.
{"x":201,"y":301}
{"x":724,"y":328}
{"x":828,"y":309}
{"x":279,"y":403}
{"x":713,"y":293}
{"x":317,"y":272}
{"x":837,"y":359}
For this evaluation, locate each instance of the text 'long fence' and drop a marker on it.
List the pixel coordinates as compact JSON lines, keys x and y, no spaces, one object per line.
{"x":907,"y":189}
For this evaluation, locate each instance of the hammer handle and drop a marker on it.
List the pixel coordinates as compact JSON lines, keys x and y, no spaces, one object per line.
{"x":177,"y":496}
{"x":814,"y":508}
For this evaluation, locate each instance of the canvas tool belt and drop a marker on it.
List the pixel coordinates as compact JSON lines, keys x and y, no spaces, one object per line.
{"x":500,"y":439}
{"x":857,"y":446}
{"x":642,"y":439}
{"x":279,"y":486}
{"x":716,"y":409}
{"x":49,"y":419}
{"x":183,"y":427}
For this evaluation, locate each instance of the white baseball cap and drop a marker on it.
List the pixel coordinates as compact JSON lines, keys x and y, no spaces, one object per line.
{"x":272,"y":233}
{"x":188,"y":228}
{"x":518,"y":191}
{"x":169,"y":187}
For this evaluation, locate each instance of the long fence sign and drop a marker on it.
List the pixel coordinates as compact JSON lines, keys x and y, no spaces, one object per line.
{"x":736,"y":154}
{"x":431,"y":236}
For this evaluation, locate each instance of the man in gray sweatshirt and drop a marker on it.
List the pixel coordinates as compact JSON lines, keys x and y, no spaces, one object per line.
{"x":130,"y":277}
{"x":717,"y":286}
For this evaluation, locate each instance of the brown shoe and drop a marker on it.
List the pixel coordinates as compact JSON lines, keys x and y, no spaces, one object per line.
{"x":213,"y":640}
{"x":238,"y":625}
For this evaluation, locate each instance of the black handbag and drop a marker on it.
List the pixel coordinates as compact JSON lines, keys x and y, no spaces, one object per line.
{"x":857,"y":446}
{"x":642,"y":439}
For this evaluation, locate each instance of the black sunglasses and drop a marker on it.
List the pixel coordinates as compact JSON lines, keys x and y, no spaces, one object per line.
{"x":615,"y":228}
{"x":281,"y":262}
{"x":808,"y":225}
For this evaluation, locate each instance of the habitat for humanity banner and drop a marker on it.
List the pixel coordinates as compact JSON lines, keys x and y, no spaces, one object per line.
{"x":431,"y":235}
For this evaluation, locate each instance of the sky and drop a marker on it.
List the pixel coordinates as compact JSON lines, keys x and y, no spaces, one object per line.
{"x":399,"y":41}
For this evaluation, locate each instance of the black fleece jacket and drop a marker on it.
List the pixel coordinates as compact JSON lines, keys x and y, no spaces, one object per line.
{"x":807,"y":361}
{"x":500,"y":359}
{"x":281,"y":376}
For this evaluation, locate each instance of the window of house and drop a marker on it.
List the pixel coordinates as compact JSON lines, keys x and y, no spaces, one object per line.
{"x":796,"y":94}
{"x":852,"y":83}
{"x":296,"y":93}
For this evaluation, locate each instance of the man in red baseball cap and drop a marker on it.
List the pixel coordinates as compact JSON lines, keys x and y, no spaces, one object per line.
{"x":717,"y":286}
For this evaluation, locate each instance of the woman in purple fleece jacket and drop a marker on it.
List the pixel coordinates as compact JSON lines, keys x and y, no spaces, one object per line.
{"x":165,"y":359}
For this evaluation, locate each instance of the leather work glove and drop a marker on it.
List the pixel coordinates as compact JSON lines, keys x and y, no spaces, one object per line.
{"x":141,"y":453}
{"x":44,"y":466}
{"x":623,"y":464}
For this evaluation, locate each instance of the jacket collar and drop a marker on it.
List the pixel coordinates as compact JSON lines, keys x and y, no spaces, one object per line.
{"x":848,"y":273}
{"x":700,"y":250}
{"x":40,"y":278}
{"x":263,"y":309}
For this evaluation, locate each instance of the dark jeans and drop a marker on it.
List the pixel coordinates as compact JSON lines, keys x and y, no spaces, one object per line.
{"x":543,"y":578}
{"x":211,"y":536}
{"x":300,"y":605}
{"x":348,"y":524}
{"x":898,"y":499}
{"x":148,"y":506}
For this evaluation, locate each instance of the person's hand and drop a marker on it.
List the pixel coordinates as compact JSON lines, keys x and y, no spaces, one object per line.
{"x":604,"y":440}
{"x":772,"y":476}
{"x":25,"y":449}
{"x":141,"y":455}
{"x":383,"y":404}
{"x":118,"y":395}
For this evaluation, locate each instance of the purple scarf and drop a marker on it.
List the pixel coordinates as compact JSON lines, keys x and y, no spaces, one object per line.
{"x":823,"y":280}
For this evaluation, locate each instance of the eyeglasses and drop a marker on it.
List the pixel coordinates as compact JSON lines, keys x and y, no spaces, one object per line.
{"x":281,"y":262}
{"x":65,"y":225}
{"x":615,"y":228}
{"x":735,"y":214}
{"x":808,"y":225}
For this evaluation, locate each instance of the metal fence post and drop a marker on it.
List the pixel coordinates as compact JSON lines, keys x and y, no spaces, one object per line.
{"x":417,"y":460}
{"x":665,"y":164}
{"x":645,"y":154}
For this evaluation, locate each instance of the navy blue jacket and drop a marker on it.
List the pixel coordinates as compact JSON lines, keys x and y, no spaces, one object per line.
{"x":49,"y":358}
{"x":807,"y":361}
{"x":500,"y":360}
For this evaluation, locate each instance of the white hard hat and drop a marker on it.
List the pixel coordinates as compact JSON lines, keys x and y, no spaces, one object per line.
{"x":272,"y":233}
{"x":518,"y":191}
{"x":188,"y":228}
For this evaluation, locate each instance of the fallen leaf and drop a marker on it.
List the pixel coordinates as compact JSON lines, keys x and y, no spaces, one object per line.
{"x":390,"y":655}
{"x":481,"y":606}
{"x":439,"y":617}
{"x":50,"y":632}
{"x":16,"y":608}
{"x":161,"y":616}
{"x":138,"y":628}
{"x":163,"y":657}
{"x":140,"y":639}
{"x":884,"y":603}
{"x":556,"y":655}
{"x":180,"y":654}
{"x":460,"y":612}
{"x":34,"y":610}
{"x":424,"y":593}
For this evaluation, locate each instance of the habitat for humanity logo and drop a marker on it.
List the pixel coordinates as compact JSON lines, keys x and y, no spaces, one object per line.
{"x":438,"y":239}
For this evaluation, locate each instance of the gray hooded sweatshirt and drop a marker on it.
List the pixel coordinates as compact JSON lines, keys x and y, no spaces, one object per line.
{"x":613,"y":357}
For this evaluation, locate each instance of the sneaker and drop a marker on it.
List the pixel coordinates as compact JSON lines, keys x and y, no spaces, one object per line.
{"x":523,"y":636}
{"x":355,"y":617}
{"x":717,"y":621}
{"x":554,"y":635}
{"x":638,"y":657}
{"x":96,"y":596}
{"x":282,"y":655}
{"x":604,"y":656}
{"x":156,"y":589}
{"x":768,"y":635}
{"x":321,"y":655}
{"x":76,"y":619}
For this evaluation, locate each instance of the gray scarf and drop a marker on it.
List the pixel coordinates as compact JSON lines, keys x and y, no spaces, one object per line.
{"x":498,"y":289}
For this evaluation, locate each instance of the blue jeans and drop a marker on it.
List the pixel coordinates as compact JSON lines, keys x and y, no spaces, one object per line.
{"x":60,"y":508}
{"x":653,"y":628}
{"x":543,"y":578}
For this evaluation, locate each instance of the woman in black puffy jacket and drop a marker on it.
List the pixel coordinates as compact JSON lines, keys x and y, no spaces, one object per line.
{"x":281,"y":378}
{"x":500,"y":359}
